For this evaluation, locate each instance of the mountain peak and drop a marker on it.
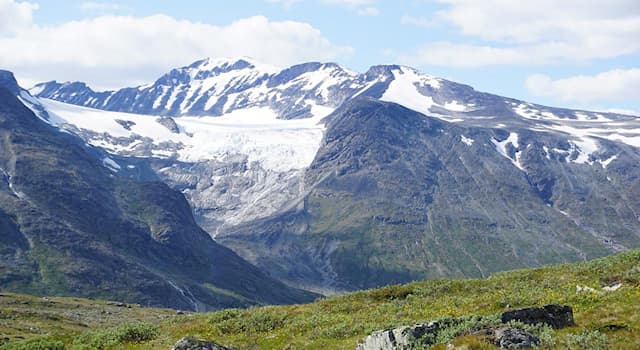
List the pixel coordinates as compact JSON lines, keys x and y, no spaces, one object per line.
{"x":8,"y":81}
{"x":230,"y":64}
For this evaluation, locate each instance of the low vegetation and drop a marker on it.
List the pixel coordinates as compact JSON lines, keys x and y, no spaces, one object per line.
{"x":606,"y":317}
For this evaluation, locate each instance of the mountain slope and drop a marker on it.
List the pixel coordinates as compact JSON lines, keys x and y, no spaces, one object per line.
{"x":395,"y":196}
{"x":602,"y":293}
{"x":456,"y":182}
{"x":73,"y":227}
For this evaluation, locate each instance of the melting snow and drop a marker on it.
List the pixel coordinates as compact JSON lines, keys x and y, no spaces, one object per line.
{"x":467,"y":141}
{"x":403,"y":90}
{"x":111,"y":164}
{"x":455,"y":106}
{"x":585,"y":147}
{"x":605,"y":163}
{"x":546,"y":152}
{"x":501,"y":147}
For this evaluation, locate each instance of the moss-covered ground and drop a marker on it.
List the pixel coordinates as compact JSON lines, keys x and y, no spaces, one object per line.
{"x":604,"y":319}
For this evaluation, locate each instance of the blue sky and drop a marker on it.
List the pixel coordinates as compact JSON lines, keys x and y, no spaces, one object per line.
{"x":583,"y":54}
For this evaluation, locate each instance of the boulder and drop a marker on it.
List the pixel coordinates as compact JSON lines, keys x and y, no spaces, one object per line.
{"x":193,"y":343}
{"x":556,"y":316}
{"x":169,"y":123}
{"x":400,"y":338}
{"x":514,"y":338}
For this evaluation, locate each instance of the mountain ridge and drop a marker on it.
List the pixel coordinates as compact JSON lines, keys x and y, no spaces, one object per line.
{"x":79,"y":93}
{"x":76,"y":228}
{"x":494,"y":182}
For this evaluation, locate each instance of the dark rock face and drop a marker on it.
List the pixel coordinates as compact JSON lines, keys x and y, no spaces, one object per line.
{"x":556,"y":316}
{"x":192,"y":343}
{"x":8,"y":81}
{"x":514,"y":338}
{"x":127,"y":124}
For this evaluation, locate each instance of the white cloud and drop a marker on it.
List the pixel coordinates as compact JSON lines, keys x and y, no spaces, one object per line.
{"x":350,"y":3}
{"x":369,"y":11}
{"x":526,"y":22}
{"x":471,"y":56}
{"x":105,"y":49}
{"x":613,"y":85}
{"x":361,"y":7}
{"x":417,"y":21}
{"x":95,"y":6}
{"x":540,"y":32}
{"x":15,"y":16}
{"x":284,"y":3}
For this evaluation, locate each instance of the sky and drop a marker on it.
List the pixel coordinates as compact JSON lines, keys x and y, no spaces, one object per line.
{"x":571,"y":53}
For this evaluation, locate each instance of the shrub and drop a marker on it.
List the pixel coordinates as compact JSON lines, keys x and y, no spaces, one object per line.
{"x":35,"y":344}
{"x":102,"y":339}
{"x":593,"y":340}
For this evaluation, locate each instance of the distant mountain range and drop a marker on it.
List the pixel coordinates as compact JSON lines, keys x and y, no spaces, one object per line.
{"x":331,"y":180}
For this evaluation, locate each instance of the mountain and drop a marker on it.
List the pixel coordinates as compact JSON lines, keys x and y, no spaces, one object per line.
{"x":389,"y":176}
{"x":71,"y":225}
{"x":216,"y":87}
{"x":393,"y":196}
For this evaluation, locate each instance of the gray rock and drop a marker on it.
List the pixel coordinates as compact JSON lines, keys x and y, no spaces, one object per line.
{"x":193,"y":343}
{"x":169,"y":123}
{"x":514,"y":338}
{"x":556,"y":316}
{"x":127,"y":124}
{"x":400,"y":338}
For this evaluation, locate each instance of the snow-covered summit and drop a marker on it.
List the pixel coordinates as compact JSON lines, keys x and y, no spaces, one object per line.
{"x":242,"y":86}
{"x":215,"y":87}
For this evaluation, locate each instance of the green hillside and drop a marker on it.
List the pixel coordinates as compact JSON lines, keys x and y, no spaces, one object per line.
{"x":604,"y":319}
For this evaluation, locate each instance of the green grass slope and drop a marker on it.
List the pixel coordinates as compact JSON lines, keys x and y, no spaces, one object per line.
{"x":604,"y":319}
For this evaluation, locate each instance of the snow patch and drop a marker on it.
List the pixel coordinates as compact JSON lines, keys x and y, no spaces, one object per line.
{"x":501,"y":147}
{"x":467,"y":141}
{"x":585,"y":147}
{"x":605,"y":163}
{"x":111,"y":164}
{"x":404,"y":90}
{"x":546,"y":152}
{"x":455,"y":106}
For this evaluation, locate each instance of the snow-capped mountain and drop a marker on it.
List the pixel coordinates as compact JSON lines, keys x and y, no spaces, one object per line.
{"x":243,"y":93}
{"x":260,"y":150}
{"x":218,"y":87}
{"x":71,"y":226}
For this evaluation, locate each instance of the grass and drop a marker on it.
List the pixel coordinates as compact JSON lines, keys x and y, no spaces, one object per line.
{"x":604,"y":320}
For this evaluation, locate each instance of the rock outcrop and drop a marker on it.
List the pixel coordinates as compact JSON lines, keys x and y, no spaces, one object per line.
{"x":514,"y":338}
{"x":193,"y":343}
{"x":169,"y":123}
{"x":556,"y":316}
{"x":399,"y":338}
